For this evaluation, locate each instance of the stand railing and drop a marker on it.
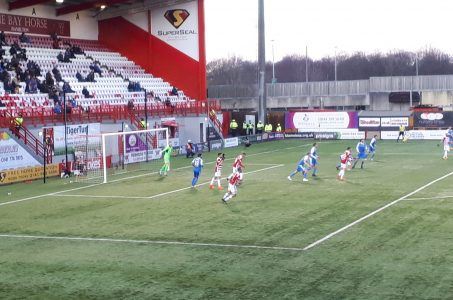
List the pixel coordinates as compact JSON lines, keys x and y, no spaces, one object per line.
{"x":7,"y":120}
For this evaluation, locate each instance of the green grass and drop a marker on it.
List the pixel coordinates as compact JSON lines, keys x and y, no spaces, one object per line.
{"x":403,"y":252}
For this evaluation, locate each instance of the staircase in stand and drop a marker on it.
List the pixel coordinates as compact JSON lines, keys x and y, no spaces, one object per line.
{"x":25,"y":138}
{"x":213,"y":107}
{"x":137,"y":123}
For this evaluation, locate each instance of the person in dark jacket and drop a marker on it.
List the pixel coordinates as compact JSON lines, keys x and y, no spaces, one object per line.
{"x":85,"y":92}
{"x":79,"y":77}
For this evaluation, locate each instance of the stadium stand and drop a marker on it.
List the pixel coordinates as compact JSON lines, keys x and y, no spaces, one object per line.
{"x":109,"y":88}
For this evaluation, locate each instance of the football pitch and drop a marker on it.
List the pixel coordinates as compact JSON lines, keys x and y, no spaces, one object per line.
{"x":384,"y":233}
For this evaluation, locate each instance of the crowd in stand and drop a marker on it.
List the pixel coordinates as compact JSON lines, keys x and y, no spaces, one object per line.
{"x":21,"y":75}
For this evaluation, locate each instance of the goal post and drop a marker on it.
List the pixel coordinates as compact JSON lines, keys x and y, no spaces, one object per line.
{"x":127,"y":151}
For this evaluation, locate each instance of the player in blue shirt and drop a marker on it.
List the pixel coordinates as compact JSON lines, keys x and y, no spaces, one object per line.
{"x":197,"y":164}
{"x":303,"y":167}
{"x":361,"y":153}
{"x":314,"y":159}
{"x":372,"y":147}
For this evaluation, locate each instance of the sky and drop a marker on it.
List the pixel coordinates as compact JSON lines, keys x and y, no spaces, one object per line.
{"x":327,"y":27}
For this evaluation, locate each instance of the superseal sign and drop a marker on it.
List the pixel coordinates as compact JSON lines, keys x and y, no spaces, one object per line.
{"x":177,"y":26}
{"x":320,"y":120}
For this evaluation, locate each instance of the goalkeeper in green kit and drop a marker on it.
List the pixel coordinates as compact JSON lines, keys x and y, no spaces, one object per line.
{"x":167,"y":155}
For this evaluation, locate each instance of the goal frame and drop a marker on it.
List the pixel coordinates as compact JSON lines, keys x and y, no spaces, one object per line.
{"x":123,"y":133}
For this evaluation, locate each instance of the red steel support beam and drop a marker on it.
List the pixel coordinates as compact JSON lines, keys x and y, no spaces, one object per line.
{"x":24,"y":3}
{"x":87,"y":5}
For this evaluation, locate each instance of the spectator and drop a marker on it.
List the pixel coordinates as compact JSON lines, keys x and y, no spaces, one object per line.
{"x":67,"y":88}
{"x":77,"y":50}
{"x":79,"y":77}
{"x":190,"y":150}
{"x":57,"y":108}
{"x":54,"y":36}
{"x":56,"y":73}
{"x":85,"y":92}
{"x":33,"y":85}
{"x":90,"y":77}
{"x":14,"y":61}
{"x":16,"y":85}
{"x":24,"y":39}
{"x":13,"y":49}
{"x":130,"y":86}
{"x":3,"y":39}
{"x":68,"y":55}
{"x":60,"y":57}
{"x":95,"y":67}
{"x":174,"y":91}
{"x":49,"y":79}
{"x":2,"y":52}
{"x":2,"y":104}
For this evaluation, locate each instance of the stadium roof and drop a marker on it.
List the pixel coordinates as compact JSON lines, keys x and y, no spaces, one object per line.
{"x":113,"y":7}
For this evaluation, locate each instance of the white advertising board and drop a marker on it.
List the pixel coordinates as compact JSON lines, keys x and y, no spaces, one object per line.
{"x":350,"y":134}
{"x":177,"y":25}
{"x":369,"y":122}
{"x":415,"y":135}
{"x":394,"y":121}
{"x":12,"y":155}
{"x":76,"y":135}
{"x":323,"y":120}
{"x":231,"y":142}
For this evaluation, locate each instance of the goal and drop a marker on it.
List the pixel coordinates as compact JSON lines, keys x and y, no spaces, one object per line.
{"x":112,"y":155}
{"x":132,"y":151}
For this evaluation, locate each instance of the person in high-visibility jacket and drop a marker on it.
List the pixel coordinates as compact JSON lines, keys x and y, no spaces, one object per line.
{"x":279,"y":128}
{"x":401,"y":133}
{"x":250,"y":126}
{"x":244,"y":128}
{"x":259,"y":127}
{"x":268,"y":128}
{"x":143,"y":123}
{"x":233,"y":127}
{"x":18,"y":121}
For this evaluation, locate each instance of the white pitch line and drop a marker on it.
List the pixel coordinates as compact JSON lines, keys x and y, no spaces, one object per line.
{"x":330,"y":235}
{"x":132,"y":177}
{"x":166,"y":193}
{"x":128,"y":241}
{"x":429,"y":198}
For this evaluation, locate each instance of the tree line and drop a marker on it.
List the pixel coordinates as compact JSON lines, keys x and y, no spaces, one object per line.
{"x":292,"y":68}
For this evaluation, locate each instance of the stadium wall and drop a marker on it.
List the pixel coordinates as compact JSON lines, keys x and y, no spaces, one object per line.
{"x":83,"y":25}
{"x":178,"y":58}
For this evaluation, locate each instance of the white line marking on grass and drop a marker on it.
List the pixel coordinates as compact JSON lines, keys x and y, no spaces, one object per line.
{"x":429,"y":198}
{"x":46,"y":195}
{"x":330,"y":235}
{"x":132,"y":177}
{"x":165,"y":193}
{"x":128,"y":241}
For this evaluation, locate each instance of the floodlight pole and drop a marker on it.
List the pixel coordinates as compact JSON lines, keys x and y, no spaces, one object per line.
{"x":44,"y":145}
{"x":146,"y":124}
{"x":262,"y":109}
{"x":65,"y":131}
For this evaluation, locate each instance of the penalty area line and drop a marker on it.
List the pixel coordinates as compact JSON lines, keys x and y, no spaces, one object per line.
{"x":149,"y":242}
{"x":165,"y":193}
{"x":330,"y":235}
{"x":133,"y":177}
{"x":429,"y":198}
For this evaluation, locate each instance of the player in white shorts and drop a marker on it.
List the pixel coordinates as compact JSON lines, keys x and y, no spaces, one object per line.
{"x":446,"y":143}
{"x":218,"y":171}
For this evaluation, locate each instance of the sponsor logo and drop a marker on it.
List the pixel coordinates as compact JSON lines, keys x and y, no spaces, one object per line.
{"x":301,"y":135}
{"x":369,"y":122}
{"x":432,"y":116}
{"x":176,"y":17}
{"x":325,"y":135}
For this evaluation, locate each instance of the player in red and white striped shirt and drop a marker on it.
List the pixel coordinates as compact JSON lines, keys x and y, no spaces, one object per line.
{"x":238,"y":165}
{"x":218,"y":171}
{"x":344,"y":159}
{"x":233,"y":180}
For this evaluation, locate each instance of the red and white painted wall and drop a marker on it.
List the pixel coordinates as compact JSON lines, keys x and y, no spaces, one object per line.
{"x":168,"y":42}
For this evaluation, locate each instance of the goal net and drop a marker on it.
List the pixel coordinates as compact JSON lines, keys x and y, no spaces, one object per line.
{"x":113,"y":155}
